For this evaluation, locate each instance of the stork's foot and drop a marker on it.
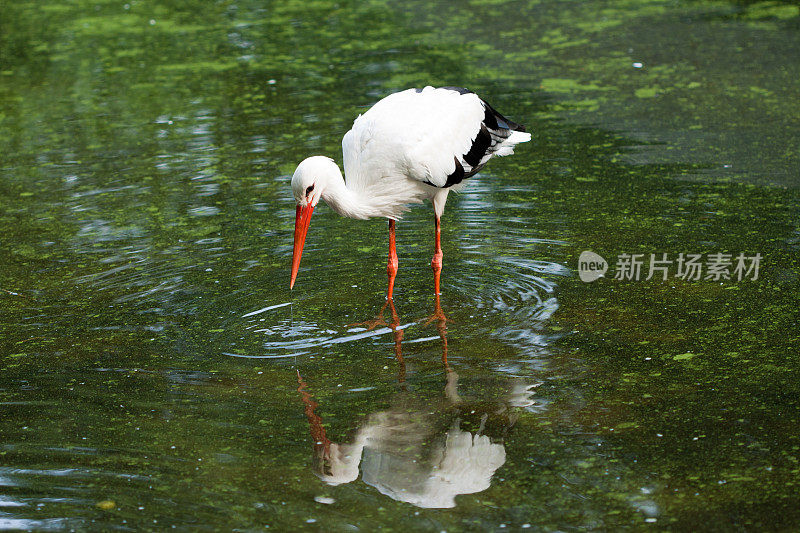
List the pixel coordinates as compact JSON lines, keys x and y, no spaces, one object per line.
{"x":438,"y":315}
{"x":441,"y":326}
{"x":372,"y":324}
{"x":379,"y":320}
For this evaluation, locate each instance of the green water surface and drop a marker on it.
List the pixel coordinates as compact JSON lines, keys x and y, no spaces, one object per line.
{"x":156,"y":372}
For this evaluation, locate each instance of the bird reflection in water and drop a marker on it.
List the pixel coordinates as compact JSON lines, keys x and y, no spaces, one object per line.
{"x":420,"y":451}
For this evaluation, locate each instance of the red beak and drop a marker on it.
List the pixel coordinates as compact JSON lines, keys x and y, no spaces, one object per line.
{"x":301,"y":223}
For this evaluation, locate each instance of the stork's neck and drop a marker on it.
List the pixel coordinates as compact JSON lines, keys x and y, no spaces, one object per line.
{"x":346,"y":201}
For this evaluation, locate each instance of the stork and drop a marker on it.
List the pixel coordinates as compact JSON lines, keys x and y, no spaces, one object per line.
{"x":411,"y":146}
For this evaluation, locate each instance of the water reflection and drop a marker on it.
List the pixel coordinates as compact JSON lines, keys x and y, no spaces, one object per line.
{"x":420,"y":451}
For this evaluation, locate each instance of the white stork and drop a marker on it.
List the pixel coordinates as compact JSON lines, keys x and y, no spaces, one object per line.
{"x":413,"y":145}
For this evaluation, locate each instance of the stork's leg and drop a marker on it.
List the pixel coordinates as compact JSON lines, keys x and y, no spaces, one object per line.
{"x":438,"y":314}
{"x":398,"y":340}
{"x":436,"y":262}
{"x":441,"y":325}
{"x":391,"y":266}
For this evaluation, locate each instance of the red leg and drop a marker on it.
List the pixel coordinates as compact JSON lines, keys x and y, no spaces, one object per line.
{"x":391,"y":266}
{"x":438,"y":315}
{"x":322,"y":445}
{"x":441,"y":325}
{"x":398,"y":340}
{"x":436,"y":262}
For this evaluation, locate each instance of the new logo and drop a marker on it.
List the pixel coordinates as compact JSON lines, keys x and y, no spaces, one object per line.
{"x":591,"y":266}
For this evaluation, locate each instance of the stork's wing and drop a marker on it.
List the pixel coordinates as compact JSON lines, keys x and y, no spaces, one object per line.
{"x":437,"y":136}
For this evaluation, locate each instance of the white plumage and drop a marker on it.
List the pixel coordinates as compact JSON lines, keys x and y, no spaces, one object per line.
{"x":411,"y":134}
{"x":411,"y":146}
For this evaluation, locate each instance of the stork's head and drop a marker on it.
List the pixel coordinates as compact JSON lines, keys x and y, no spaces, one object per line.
{"x":309,"y":181}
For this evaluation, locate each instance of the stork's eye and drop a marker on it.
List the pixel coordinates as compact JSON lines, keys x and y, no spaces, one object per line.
{"x":309,"y":189}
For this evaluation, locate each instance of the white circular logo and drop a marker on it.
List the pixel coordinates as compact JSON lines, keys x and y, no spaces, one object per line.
{"x":591,"y":266}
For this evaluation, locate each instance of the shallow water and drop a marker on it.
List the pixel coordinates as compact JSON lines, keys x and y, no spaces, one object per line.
{"x":157,"y":371}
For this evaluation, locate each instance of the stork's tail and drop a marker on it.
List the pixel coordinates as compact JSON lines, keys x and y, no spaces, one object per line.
{"x":519,"y":137}
{"x":516,"y":137}
{"x":518,"y":133}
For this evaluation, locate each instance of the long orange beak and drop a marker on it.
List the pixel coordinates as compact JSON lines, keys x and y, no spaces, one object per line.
{"x":301,"y":223}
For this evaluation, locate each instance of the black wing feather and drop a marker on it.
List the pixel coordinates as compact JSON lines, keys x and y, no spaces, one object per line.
{"x":494,"y":129}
